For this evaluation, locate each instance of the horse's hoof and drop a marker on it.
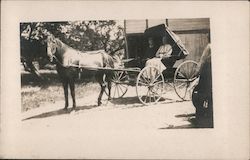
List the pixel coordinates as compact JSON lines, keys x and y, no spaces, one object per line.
{"x":109,"y":98}
{"x":99,"y":103}
{"x":65,"y":108}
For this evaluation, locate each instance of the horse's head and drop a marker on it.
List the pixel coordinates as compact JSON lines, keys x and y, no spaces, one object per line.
{"x":51,"y":47}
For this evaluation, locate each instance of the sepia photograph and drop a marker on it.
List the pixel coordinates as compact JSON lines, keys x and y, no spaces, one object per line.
{"x":122,"y":86}
{"x":151,"y":64}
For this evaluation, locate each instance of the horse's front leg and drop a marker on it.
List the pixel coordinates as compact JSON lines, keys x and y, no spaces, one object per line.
{"x":109,"y":89}
{"x":72,"y":91}
{"x":101,"y":93}
{"x":99,"y":78}
{"x":65,"y":88}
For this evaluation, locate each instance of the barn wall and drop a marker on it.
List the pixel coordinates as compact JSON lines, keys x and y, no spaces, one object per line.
{"x":188,"y":24}
{"x":192,"y":32}
{"x":139,"y":26}
{"x":135,"y":26}
{"x":155,"y":22}
{"x":195,"y":44}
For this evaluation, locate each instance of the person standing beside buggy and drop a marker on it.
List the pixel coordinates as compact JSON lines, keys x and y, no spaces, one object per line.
{"x":202,"y":93}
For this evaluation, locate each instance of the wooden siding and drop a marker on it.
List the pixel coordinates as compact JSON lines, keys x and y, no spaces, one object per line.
{"x":139,"y":26}
{"x":135,"y":26}
{"x":192,"y":32}
{"x":195,"y":44}
{"x":188,"y":24}
{"x":155,"y":22}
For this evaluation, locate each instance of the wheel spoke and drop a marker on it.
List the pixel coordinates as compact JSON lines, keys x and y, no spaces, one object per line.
{"x":121,"y":73}
{"x":148,"y":76}
{"x":115,"y":76}
{"x":145,"y":99}
{"x":147,"y":96}
{"x":185,"y":93}
{"x":157,"y":94}
{"x":193,"y":75}
{"x":124,"y":86}
{"x":123,"y":77}
{"x":121,"y":89}
{"x":181,"y":80}
{"x":114,"y":91}
{"x":156,"y":78}
{"x":154,"y":97}
{"x":158,"y":82}
{"x":145,"y":79}
{"x":182,"y":84}
{"x":155,"y":75}
{"x":184,"y":74}
{"x":187,"y":70}
{"x":180,"y":74}
{"x":118,"y":91}
{"x":143,"y":83}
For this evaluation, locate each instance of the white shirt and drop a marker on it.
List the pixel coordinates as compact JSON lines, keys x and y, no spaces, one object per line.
{"x":164,"y":51}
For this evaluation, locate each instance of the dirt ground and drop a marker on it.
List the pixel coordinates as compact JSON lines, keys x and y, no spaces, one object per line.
{"x":168,"y":113}
{"x":107,"y":131}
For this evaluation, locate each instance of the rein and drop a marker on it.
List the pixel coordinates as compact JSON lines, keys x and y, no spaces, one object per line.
{"x":63,"y":65}
{"x":59,"y":62}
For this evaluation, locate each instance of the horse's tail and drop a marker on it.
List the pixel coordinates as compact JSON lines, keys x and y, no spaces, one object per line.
{"x":108,"y":61}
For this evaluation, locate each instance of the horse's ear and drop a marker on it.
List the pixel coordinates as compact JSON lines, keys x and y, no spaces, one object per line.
{"x":51,"y":37}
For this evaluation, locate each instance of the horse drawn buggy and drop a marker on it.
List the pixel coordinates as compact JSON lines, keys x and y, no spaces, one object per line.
{"x":148,"y":80}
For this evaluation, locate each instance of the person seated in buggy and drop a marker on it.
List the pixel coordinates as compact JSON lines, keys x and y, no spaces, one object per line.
{"x":152,"y":48}
{"x":162,"y":53}
{"x":172,"y":49}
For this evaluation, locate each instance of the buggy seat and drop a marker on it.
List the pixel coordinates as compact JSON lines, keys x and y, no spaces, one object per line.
{"x":179,"y":51}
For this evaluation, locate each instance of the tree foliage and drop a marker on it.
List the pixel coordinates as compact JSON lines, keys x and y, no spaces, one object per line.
{"x":81,"y":35}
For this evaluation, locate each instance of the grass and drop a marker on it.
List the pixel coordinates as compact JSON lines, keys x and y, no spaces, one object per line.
{"x":34,"y":93}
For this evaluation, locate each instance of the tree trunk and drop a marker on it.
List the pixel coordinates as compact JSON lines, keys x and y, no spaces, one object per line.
{"x":34,"y":71}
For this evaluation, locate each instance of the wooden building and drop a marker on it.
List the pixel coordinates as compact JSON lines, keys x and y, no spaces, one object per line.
{"x":194,"y":33}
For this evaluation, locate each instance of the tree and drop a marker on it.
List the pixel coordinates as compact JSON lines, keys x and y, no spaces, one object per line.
{"x":32,"y":46}
{"x":81,"y":35}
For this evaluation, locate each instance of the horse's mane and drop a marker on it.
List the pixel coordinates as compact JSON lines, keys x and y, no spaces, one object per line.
{"x":63,"y":45}
{"x":59,"y":42}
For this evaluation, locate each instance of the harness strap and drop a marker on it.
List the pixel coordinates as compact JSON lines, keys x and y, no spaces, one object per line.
{"x":58,"y":61}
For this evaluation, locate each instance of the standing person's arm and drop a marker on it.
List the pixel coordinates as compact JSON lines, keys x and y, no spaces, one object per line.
{"x":206,"y":55}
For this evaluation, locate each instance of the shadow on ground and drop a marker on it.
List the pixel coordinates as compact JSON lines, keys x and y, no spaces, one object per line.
{"x":135,"y":102}
{"x":126,"y":101}
{"x":194,"y":123}
{"x":60,"y":112}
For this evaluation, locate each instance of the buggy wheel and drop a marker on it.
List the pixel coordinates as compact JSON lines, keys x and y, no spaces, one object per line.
{"x":184,"y":78}
{"x":149,"y":85}
{"x":118,"y":86}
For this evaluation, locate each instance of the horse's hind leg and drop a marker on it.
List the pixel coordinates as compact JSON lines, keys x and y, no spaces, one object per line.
{"x":99,"y":78}
{"x":72,"y":91}
{"x":109,"y":86}
{"x":65,"y":87}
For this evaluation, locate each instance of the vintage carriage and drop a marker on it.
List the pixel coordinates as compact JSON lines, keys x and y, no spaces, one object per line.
{"x":150,"y":81}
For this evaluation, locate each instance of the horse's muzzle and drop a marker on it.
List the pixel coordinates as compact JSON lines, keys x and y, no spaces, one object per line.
{"x":50,"y":58}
